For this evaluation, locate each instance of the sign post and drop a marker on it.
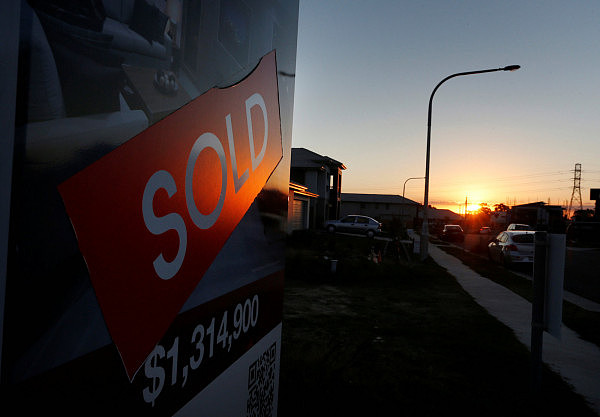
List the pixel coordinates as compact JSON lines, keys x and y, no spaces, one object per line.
{"x":557,"y":245}
{"x":537,"y":312}
{"x":546,"y":314}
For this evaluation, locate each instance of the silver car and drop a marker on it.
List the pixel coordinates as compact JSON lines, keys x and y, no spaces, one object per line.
{"x":354,"y":224}
{"x":511,"y":247}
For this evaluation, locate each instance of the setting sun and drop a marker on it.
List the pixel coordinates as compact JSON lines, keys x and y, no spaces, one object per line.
{"x":473,"y":207}
{"x":473,"y":200}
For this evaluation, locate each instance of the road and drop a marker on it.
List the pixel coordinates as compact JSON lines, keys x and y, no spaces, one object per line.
{"x":582,"y":266}
{"x":582,"y":272}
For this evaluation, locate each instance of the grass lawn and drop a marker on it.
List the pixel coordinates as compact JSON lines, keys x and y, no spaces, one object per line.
{"x":398,"y":338}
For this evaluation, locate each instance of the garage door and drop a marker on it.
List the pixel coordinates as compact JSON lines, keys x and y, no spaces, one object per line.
{"x":299,"y":215}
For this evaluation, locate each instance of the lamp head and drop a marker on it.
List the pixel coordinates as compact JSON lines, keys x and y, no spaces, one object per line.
{"x":511,"y":68}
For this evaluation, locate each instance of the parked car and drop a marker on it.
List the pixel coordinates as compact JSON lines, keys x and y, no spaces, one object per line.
{"x":354,"y":224}
{"x":453,"y":233}
{"x":485,"y":230}
{"x":512,"y":246}
{"x":518,"y":226}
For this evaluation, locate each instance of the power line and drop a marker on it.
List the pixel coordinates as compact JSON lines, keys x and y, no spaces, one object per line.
{"x":521,"y":186}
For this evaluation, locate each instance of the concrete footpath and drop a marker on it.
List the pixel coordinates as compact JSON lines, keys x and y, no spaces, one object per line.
{"x":576,"y":360}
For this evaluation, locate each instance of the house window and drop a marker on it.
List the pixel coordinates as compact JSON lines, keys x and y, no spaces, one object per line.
{"x":331,"y":181}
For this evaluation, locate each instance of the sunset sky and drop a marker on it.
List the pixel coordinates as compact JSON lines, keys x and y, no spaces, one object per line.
{"x":365,"y":71}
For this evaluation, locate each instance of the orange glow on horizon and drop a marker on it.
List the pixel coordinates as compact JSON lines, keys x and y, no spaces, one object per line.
{"x":459,"y":207}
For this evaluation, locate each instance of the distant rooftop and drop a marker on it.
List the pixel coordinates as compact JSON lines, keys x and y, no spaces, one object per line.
{"x":376,"y":198}
{"x":536,"y":205}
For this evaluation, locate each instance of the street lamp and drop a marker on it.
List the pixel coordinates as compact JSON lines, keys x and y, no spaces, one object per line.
{"x":412,"y":178}
{"x":424,"y":244}
{"x":404,"y":188}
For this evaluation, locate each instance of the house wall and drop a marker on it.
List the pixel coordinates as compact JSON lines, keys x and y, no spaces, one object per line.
{"x":380,"y":211}
{"x":311,"y":182}
{"x":350,"y":208}
{"x":335,"y":192}
{"x":327,"y":204}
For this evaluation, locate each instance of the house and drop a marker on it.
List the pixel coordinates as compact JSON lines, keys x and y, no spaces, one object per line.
{"x":437,"y":218}
{"x":499,"y":220}
{"x":301,"y":203}
{"x":539,"y":215}
{"x":386,"y":208}
{"x":322,"y":176}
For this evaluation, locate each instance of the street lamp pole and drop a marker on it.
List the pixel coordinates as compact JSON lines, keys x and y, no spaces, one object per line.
{"x":424,"y":242}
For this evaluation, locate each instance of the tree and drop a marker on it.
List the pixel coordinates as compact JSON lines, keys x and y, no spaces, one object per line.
{"x":484,"y":209}
{"x":501,"y":207}
{"x":583,"y":215}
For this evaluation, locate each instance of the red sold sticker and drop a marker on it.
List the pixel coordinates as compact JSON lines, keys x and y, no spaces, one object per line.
{"x":152,"y":215}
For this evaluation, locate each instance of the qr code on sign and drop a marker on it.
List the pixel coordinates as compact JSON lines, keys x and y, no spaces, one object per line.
{"x":261,"y":384}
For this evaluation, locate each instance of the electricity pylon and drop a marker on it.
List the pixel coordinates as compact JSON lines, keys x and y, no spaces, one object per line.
{"x":576,"y":194}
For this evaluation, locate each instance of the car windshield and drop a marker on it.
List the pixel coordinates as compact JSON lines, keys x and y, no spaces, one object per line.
{"x":453,"y":228}
{"x":521,"y":227}
{"x":523,"y":238}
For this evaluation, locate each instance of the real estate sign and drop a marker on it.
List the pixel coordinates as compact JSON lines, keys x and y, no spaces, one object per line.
{"x":148,"y":214}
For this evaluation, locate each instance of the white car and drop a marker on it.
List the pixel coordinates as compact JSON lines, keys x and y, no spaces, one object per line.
{"x":512,"y":246}
{"x":518,"y":226}
{"x":354,"y":224}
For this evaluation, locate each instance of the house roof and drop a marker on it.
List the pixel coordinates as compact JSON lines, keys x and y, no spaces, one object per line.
{"x":303,"y":158}
{"x":537,"y":205}
{"x":441,"y":214}
{"x":375,"y":198}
